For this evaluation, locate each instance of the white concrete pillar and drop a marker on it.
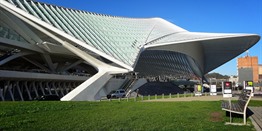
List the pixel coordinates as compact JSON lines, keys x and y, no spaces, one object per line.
{"x":10,"y":86}
{"x":48,"y":87}
{"x":54,"y":88}
{"x":89,"y":89}
{"x":19,"y":91}
{"x":34,"y":88}
{"x":61,"y":88}
{"x":40,"y":83}
{"x":2,"y":94}
{"x":27,"y":90}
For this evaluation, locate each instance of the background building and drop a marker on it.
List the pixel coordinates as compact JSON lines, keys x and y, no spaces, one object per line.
{"x":259,"y":73}
{"x":248,"y":68}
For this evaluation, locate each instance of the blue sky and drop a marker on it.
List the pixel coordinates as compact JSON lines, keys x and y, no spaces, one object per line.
{"x":220,"y":16}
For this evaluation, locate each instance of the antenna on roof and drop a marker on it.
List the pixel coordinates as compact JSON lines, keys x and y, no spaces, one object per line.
{"x":247,"y":53}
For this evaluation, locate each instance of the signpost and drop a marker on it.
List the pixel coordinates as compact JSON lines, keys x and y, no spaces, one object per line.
{"x":227,"y":89}
{"x":198,"y":90}
{"x":248,"y":85}
{"x":213,"y":90}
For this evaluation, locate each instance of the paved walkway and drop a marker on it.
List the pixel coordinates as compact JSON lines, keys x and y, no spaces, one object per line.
{"x":256,"y":117}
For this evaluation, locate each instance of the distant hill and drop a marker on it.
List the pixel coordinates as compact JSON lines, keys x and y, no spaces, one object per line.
{"x":216,"y":75}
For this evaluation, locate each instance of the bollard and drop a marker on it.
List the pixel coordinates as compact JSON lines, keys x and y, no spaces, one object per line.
{"x":170,"y":95}
{"x":127,"y":99}
{"x":184,"y":94}
{"x":142,"y":98}
{"x":177,"y":95}
{"x":155,"y":96}
{"x":119,"y":99}
{"x":163,"y":96}
{"x":148,"y":97}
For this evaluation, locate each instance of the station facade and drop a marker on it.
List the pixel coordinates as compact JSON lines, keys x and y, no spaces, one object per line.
{"x":80,"y":55}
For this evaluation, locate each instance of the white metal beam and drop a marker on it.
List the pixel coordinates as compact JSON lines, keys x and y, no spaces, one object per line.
{"x":12,"y":57}
{"x":37,"y":64}
{"x":19,"y":45}
{"x":34,"y":88}
{"x":48,"y":61}
{"x":10,"y":86}
{"x":48,"y":87}
{"x":20,"y":27}
{"x":2,"y":94}
{"x":19,"y":90}
{"x":70,"y":65}
{"x":89,"y":89}
{"x":33,"y":20}
{"x":27,"y":90}
{"x":40,"y":76}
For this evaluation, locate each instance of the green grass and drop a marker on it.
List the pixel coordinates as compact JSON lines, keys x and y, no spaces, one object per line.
{"x":116,"y":115}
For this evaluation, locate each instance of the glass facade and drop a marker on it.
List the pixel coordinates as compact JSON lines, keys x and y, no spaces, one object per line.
{"x":118,"y":37}
{"x":6,"y":32}
{"x":164,"y":63}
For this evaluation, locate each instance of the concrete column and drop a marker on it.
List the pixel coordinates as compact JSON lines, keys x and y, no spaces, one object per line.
{"x":89,"y":89}
{"x":61,"y":88}
{"x":40,"y":83}
{"x":34,"y":88}
{"x":2,"y":94}
{"x":48,"y":87}
{"x":10,"y":86}
{"x":19,"y":91}
{"x":54,"y":87}
{"x":27,"y":90}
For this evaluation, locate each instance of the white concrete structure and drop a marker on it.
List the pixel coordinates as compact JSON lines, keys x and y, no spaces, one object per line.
{"x":57,"y":40}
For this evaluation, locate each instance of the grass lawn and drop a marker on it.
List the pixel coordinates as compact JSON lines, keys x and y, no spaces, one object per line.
{"x":114,"y":115}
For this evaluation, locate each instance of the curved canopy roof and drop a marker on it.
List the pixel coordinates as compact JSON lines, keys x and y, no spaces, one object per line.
{"x":118,"y":37}
{"x":140,"y":44}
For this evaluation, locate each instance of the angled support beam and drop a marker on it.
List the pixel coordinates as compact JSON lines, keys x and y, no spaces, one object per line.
{"x":40,"y":83}
{"x":65,"y":85}
{"x":89,"y":89}
{"x":48,"y":87}
{"x":37,"y":64}
{"x":34,"y":22}
{"x":2,"y":94}
{"x":54,"y":88}
{"x":27,"y":90}
{"x":60,"y":88}
{"x":6,"y":84}
{"x":19,"y":90}
{"x":20,"y":27}
{"x":12,"y":57}
{"x":71,"y":65}
{"x":49,"y":62}
{"x":19,"y":45}
{"x":10,"y":87}
{"x":34,"y":88}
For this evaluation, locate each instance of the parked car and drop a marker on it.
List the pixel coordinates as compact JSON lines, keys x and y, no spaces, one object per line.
{"x":117,"y":94}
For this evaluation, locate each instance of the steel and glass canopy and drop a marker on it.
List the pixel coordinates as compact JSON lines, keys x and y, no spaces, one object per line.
{"x":113,"y":45}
